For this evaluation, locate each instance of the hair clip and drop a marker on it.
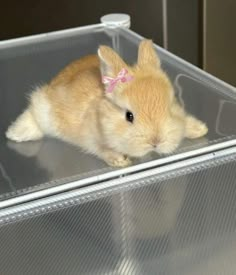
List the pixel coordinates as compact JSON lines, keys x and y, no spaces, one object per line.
{"x":112,"y":82}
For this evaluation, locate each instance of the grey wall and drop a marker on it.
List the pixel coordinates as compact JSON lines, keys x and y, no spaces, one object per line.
{"x":183,"y":29}
{"x":182,"y":18}
{"x":27,"y":17}
{"x":220,"y":39}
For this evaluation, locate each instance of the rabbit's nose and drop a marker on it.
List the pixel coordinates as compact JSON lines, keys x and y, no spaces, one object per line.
{"x":155,"y":142}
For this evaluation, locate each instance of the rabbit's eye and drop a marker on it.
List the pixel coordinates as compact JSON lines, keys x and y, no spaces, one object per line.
{"x":129,"y":116}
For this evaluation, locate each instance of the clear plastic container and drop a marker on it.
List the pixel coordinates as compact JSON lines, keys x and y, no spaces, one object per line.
{"x":37,"y":169}
{"x":164,"y":215}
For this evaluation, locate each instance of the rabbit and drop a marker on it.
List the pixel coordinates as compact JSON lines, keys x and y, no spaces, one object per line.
{"x":109,"y":108}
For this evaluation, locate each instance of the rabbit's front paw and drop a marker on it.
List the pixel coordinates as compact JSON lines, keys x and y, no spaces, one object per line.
{"x":195,"y":128}
{"x":115,"y":159}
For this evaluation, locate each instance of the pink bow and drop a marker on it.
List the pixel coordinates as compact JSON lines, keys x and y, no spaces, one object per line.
{"x":122,"y":77}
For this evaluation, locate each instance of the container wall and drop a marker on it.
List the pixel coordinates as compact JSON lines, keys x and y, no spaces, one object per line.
{"x":179,"y":222}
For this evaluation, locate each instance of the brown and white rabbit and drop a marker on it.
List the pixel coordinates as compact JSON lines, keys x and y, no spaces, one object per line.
{"x":127,"y":117}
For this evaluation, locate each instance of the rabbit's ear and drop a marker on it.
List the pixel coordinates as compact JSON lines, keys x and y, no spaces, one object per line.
{"x":110,"y":62}
{"x":147,"y":54}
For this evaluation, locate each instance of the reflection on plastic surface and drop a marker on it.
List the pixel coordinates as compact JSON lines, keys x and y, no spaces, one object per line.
{"x":6,"y":178}
{"x":178,"y":223}
{"x":226,"y":114}
{"x":38,"y":165}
